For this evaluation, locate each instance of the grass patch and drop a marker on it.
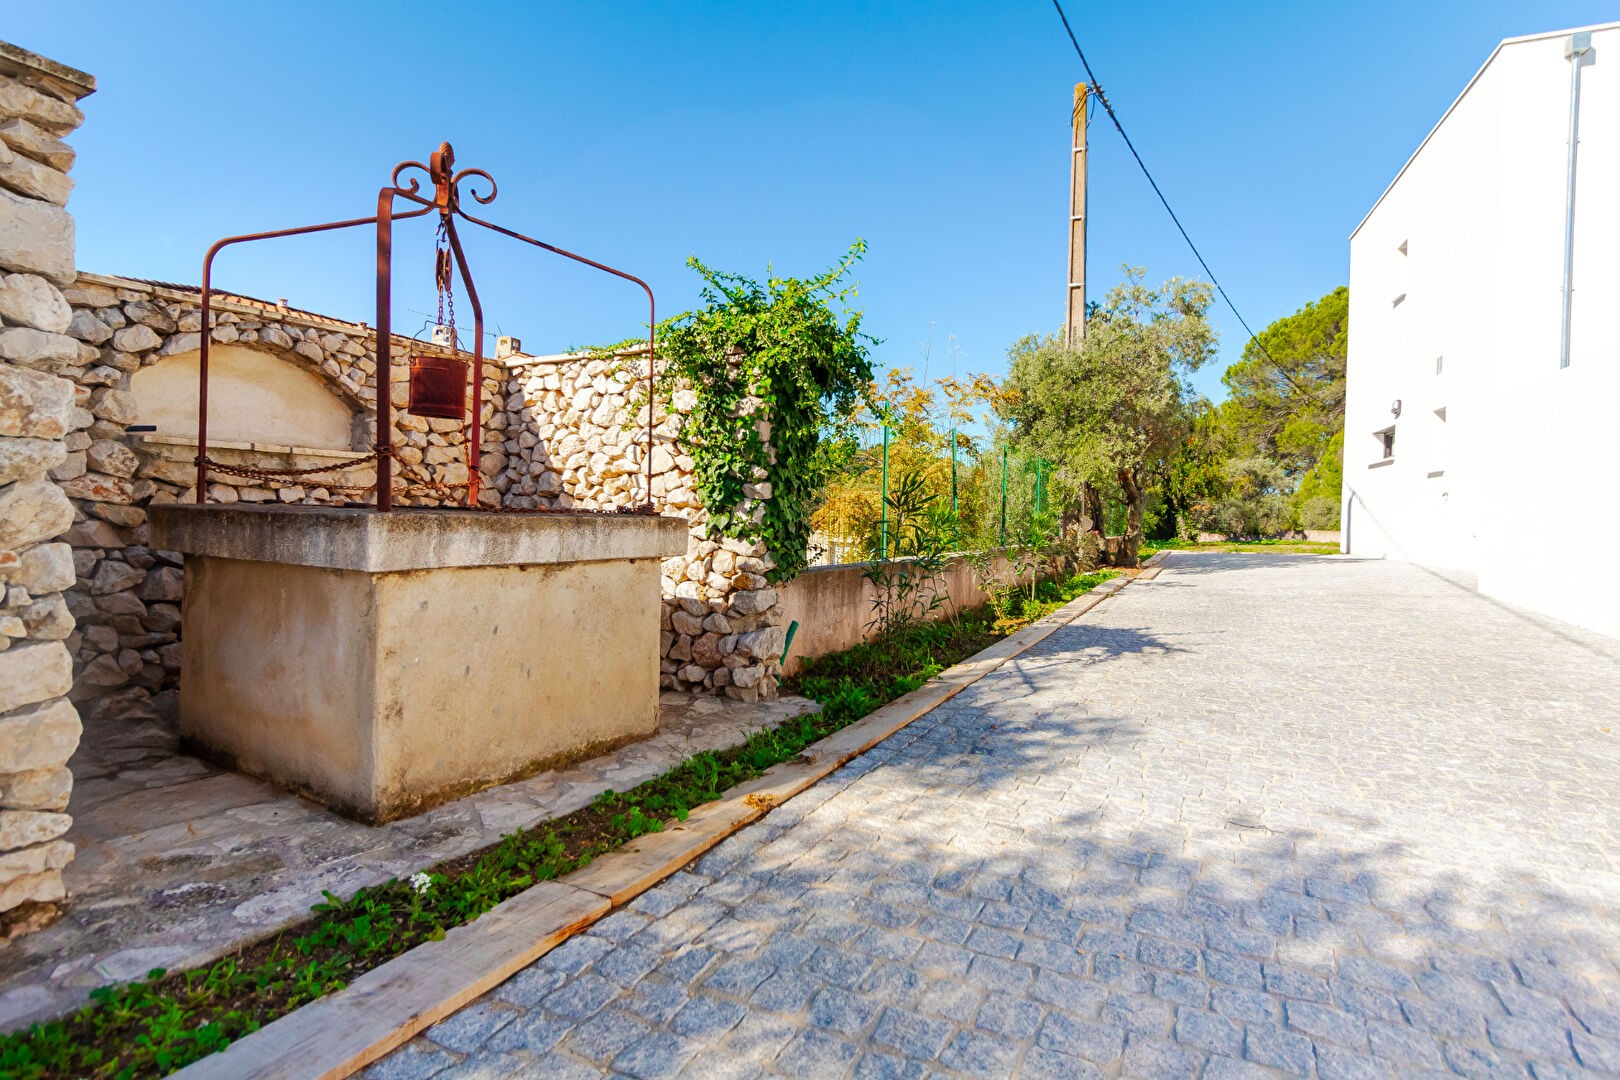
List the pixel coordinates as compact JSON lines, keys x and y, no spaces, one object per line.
{"x":168,"y":1020}
{"x":1274,"y":547}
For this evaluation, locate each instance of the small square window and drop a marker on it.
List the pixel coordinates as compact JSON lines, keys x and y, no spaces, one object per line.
{"x":1386,"y":444}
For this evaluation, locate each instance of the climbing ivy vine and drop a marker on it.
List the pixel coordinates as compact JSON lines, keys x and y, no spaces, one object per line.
{"x":788,"y":351}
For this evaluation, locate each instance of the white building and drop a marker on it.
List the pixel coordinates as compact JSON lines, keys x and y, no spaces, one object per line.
{"x":1482,"y":426}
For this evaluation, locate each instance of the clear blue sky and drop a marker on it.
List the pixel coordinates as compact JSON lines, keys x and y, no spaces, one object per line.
{"x":755,"y":133}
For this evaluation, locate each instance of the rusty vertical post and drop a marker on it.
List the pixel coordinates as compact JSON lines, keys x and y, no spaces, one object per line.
{"x":652,"y":375}
{"x":475,"y":449}
{"x":385,"y":367}
{"x":202,"y":383}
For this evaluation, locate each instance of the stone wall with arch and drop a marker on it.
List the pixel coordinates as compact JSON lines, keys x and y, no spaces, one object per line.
{"x":256,"y":394}
{"x":287,"y":389}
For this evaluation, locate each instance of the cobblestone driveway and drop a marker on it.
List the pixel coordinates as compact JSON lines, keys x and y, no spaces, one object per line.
{"x":1265,"y":815}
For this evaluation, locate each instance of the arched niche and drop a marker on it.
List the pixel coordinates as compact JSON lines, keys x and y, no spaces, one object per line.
{"x":253,"y":397}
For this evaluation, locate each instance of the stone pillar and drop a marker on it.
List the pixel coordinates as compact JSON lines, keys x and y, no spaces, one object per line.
{"x":41,"y":424}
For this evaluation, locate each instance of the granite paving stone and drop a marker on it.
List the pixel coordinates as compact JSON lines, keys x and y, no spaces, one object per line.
{"x":1263,"y":815}
{"x":470,"y":1028}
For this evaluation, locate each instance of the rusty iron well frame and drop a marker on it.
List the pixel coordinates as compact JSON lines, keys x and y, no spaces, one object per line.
{"x":446,"y":201}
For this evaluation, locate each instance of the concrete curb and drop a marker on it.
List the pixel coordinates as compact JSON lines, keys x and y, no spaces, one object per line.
{"x":337,"y":1035}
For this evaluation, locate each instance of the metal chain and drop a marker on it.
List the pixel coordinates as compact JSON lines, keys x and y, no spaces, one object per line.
{"x":264,"y":472}
{"x":269,"y":475}
{"x":418,"y":485}
{"x":450,"y":297}
{"x":438,"y":281}
{"x":444,"y":281}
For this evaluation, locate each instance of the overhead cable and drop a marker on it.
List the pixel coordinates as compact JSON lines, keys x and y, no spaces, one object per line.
{"x":1108,"y":107}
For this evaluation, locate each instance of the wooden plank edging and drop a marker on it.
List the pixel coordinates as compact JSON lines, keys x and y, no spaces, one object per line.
{"x":344,"y":1032}
{"x":340,"y":1034}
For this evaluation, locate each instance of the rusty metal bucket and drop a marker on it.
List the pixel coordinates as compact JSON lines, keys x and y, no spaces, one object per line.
{"x":438,"y":387}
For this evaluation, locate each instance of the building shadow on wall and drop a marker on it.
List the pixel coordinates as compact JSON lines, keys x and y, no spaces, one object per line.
{"x":1598,"y":645}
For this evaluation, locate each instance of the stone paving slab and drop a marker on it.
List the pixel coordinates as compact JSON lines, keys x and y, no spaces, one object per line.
{"x":180,"y":862}
{"x":1260,"y":816}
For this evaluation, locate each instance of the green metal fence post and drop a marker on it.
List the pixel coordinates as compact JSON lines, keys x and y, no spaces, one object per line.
{"x":1003,"y":496}
{"x":953,"y":472}
{"x":883,"y":529}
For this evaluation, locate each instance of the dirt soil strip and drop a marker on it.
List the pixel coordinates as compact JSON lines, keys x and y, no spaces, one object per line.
{"x":341,"y":1034}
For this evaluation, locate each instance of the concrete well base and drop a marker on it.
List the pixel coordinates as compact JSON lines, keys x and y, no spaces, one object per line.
{"x":382,"y":663}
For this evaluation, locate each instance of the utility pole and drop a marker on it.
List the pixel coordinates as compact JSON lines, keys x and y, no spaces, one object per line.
{"x":1075,"y":323}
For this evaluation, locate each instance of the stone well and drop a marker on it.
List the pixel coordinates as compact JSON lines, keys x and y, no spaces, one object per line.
{"x":384,"y":662}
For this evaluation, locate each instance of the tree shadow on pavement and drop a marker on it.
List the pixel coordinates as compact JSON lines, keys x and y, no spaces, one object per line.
{"x":1182,"y":939}
{"x":1220,"y":562}
{"x":1036,"y":879}
{"x":980,"y":894}
{"x":1078,"y":646}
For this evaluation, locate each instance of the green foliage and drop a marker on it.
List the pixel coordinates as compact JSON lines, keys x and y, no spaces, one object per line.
{"x":1073,"y":552}
{"x":1194,"y":477}
{"x":996,"y":579}
{"x":1255,"y":502}
{"x":1287,"y":407}
{"x":907,"y":551}
{"x":1287,"y":393}
{"x":923,"y":423}
{"x":1316,"y":501}
{"x":1112,"y":412}
{"x":773,"y":351}
{"x":1269,"y":458}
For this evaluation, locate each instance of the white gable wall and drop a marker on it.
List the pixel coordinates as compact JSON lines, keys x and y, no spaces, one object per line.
{"x":1515,"y":480}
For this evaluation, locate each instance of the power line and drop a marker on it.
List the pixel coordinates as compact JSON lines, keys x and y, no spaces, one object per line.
{"x":1109,"y":108}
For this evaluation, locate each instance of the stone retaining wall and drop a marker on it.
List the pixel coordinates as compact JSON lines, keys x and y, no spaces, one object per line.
{"x":41,"y":422}
{"x":834,"y":605}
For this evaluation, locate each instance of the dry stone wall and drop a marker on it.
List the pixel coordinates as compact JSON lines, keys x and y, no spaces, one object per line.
{"x":575,"y":435}
{"x":125,"y":594}
{"x":41,"y":419}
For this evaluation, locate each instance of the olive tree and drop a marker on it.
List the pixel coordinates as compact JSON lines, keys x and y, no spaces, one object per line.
{"x":1111,"y":412}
